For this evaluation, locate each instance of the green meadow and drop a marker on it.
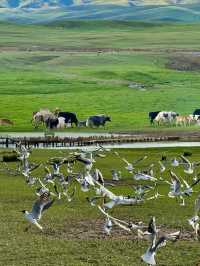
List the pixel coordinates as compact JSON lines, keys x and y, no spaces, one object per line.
{"x":61,"y":65}
{"x":73,"y":231}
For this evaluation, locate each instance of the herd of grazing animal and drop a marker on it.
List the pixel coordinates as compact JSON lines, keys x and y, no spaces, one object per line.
{"x":60,"y":120}
{"x":173,"y":118}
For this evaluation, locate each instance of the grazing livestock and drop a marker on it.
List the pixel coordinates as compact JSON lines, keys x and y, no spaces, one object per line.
{"x":184,"y":120}
{"x":61,"y":122}
{"x":166,"y":117}
{"x":42,"y":116}
{"x":69,"y":117}
{"x":82,"y":123}
{"x":5,"y":122}
{"x":97,"y":120}
{"x":53,"y":123}
{"x":196,"y":112}
{"x":152,"y":116}
{"x":196,"y":117}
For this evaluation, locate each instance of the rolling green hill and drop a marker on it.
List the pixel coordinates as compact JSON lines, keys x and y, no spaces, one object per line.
{"x":91,"y":67}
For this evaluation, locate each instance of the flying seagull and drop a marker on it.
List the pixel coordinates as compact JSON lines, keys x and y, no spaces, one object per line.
{"x":151,"y":229}
{"x":114,"y":199}
{"x":176,"y":187}
{"x":162,"y":167}
{"x":142,"y":176}
{"x":127,"y":226}
{"x":149,"y":255}
{"x":141,"y":190}
{"x":194,"y":221}
{"x":188,"y":166}
{"x":43,"y":203}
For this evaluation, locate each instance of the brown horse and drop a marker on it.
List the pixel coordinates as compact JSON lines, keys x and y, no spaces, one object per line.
{"x":5,"y":122}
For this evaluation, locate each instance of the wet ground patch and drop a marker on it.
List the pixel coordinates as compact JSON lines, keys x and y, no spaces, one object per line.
{"x":184,"y":63}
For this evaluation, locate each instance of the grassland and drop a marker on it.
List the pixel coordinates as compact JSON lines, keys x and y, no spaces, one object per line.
{"x":59,"y":65}
{"x":73,"y":231}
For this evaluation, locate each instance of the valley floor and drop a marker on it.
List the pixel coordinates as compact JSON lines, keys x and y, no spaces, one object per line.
{"x":121,"y":69}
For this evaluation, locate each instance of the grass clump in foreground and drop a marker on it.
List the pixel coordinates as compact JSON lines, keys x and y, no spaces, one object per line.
{"x":73,"y":231}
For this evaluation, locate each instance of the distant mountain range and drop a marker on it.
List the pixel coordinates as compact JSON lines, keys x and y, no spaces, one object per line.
{"x":34,"y":4}
{"x":44,"y":11}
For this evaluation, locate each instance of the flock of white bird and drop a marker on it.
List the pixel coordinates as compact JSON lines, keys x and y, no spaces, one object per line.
{"x":56,"y":185}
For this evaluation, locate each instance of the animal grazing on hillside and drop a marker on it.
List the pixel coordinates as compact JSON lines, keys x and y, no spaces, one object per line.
{"x":53,"y":123}
{"x":152,"y":116}
{"x":184,"y":120}
{"x":97,"y":120}
{"x":41,"y":117}
{"x":196,"y":112}
{"x":61,"y":122}
{"x":195,"y":118}
{"x":166,"y":117}
{"x":6,"y":122}
{"x":82,"y":123}
{"x":69,"y":117}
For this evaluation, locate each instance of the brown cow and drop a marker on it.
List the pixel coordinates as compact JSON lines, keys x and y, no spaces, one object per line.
{"x":184,"y":120}
{"x":5,"y":122}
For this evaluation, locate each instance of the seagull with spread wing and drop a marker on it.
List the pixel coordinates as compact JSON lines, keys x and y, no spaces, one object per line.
{"x":176,"y":187}
{"x":162,"y":167}
{"x":142,"y":176}
{"x":142,"y":190}
{"x":39,"y":206}
{"x":129,"y":166}
{"x":152,"y":231}
{"x":88,"y":162}
{"x":149,"y":256}
{"x":194,"y":221}
{"x":114,"y":199}
{"x":188,"y":166}
{"x":127,"y":226}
